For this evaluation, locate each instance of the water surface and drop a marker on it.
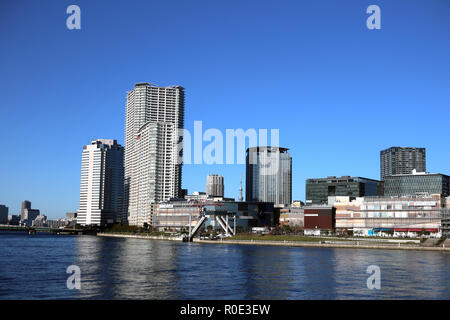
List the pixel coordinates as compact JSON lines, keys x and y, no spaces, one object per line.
{"x":34,"y":267}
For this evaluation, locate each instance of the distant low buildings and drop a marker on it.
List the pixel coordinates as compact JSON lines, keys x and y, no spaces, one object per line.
{"x":13,"y":219}
{"x":42,"y":221}
{"x":71,"y":219}
{"x":57,"y":223}
{"x":27,"y":214}
{"x":199,"y":195}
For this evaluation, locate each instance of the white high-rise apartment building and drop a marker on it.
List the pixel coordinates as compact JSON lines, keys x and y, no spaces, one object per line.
{"x":214,"y":185}
{"x":101,"y":185}
{"x":153,"y":149}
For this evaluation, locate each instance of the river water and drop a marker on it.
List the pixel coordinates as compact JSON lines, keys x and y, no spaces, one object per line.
{"x":34,"y":267}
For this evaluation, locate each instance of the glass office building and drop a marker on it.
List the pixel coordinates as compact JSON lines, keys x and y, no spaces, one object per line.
{"x":269,"y":175}
{"x":417,"y":183}
{"x":318,"y":190}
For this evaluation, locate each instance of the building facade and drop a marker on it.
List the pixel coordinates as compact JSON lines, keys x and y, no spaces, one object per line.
{"x":402,"y":160}
{"x":27,"y":214}
{"x":180,"y":214}
{"x":153,"y":149}
{"x":318,"y":190}
{"x":417,"y":183}
{"x":319,"y":220}
{"x":398,"y":216}
{"x":101,"y":183}
{"x":25,"y":205}
{"x":292,"y":216}
{"x":269,"y":175}
{"x":14,"y":219}
{"x":71,"y":219}
{"x":3,"y":214}
{"x":214,"y":186}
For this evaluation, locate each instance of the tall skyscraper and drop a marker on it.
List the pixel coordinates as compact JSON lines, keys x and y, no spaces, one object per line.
{"x":101,"y":184}
{"x":402,"y":160}
{"x":269,"y":175}
{"x":153,"y":148}
{"x":214,"y":186}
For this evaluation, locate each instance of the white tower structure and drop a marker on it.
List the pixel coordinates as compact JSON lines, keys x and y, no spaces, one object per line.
{"x":101,"y":184}
{"x":153,"y":149}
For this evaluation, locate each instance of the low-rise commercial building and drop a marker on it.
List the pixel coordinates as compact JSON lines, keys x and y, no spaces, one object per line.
{"x":181,"y":214}
{"x":397,"y":216}
{"x":292,"y":216}
{"x":416,"y":183}
{"x":319,"y":220}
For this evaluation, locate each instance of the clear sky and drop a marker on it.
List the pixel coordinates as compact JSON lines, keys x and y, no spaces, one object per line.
{"x":337,"y":91}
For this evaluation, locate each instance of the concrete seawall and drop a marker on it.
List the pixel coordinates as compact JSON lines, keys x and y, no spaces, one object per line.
{"x":282,"y":243}
{"x":323,"y":245}
{"x":139,"y":236}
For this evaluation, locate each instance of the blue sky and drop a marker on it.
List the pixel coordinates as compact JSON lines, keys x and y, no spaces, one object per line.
{"x":338,"y":92}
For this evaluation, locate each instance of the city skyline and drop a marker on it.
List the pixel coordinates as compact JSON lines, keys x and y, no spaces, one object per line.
{"x":236,"y":78}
